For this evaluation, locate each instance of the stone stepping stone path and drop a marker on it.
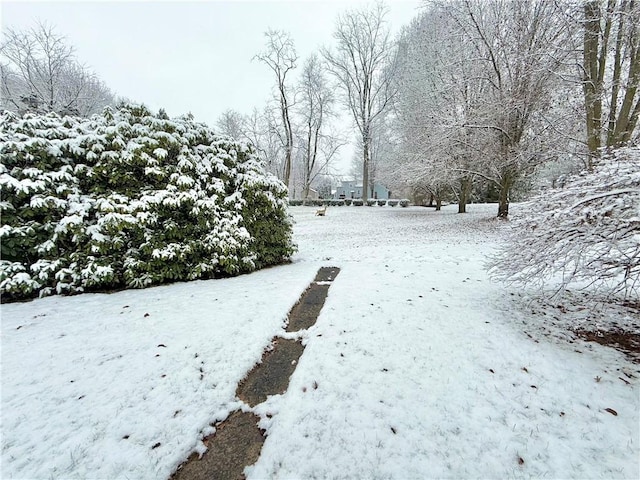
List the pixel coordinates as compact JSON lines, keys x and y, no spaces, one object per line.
{"x":236,"y":444}
{"x":238,"y":439}
{"x":271,"y":376}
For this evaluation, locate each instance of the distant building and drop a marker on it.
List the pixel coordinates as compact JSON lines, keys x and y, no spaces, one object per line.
{"x":313,"y":194}
{"x":298,"y":194}
{"x":349,"y":189}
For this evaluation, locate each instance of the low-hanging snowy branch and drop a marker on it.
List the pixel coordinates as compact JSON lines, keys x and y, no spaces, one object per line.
{"x":586,"y":232}
{"x":605,"y":194}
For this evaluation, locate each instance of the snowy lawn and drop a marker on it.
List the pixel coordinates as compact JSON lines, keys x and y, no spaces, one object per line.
{"x":122,"y":385}
{"x":424,"y":368}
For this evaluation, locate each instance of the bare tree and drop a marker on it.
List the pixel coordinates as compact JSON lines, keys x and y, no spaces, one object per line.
{"x":363,"y":64}
{"x":262,"y":128}
{"x":39,"y":72}
{"x":318,"y":144}
{"x":521,"y":49}
{"x":382,"y":151}
{"x":611,"y":71}
{"x":232,"y":124}
{"x":441,"y":92}
{"x":584,"y":231}
{"x":281,"y":57}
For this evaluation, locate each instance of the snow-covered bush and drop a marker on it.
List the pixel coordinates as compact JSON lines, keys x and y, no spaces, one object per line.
{"x":404,"y":202}
{"x":382,"y":202}
{"x":358,"y":202}
{"x":347,"y":201}
{"x":588,"y":231}
{"x":392,"y":203}
{"x":371,"y":202}
{"x":130,"y":199}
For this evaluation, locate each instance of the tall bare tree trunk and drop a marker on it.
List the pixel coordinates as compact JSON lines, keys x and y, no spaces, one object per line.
{"x":503,"y":198}
{"x":465,"y":191}
{"x":364,"y":67}
{"x":289,"y":137}
{"x":592,"y":83}
{"x":365,"y":169}
{"x":280,"y":56}
{"x":617,"y":24}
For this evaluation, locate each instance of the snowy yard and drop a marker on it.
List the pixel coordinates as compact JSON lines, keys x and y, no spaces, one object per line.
{"x":425,"y":368}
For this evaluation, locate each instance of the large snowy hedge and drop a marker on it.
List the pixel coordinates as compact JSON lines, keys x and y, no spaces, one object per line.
{"x":587,"y":232}
{"x":130,"y":199}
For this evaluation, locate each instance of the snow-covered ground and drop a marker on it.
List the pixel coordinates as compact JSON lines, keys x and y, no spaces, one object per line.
{"x":424,"y":368}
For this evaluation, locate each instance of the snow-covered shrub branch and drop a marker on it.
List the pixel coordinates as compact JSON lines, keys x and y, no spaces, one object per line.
{"x":130,"y":199}
{"x":587,"y":232}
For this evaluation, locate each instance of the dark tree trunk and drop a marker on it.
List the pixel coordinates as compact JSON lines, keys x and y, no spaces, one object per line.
{"x":592,"y":82}
{"x":365,"y":169}
{"x":465,"y":191}
{"x":503,"y":205}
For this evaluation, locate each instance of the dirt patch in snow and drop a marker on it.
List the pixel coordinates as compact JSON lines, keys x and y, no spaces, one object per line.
{"x":627,"y":342}
{"x":577,"y":316}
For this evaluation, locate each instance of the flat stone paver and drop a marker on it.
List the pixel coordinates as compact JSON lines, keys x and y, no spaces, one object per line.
{"x":305,"y":313}
{"x":235,"y":444}
{"x":326,"y":274}
{"x":271,"y":377}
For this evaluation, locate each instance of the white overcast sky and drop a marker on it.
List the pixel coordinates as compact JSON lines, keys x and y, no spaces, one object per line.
{"x":188,"y":56}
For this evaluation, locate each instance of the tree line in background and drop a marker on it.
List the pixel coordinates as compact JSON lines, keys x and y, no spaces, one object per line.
{"x":476,"y":99}
{"x":492,"y":93}
{"x":486,"y":100}
{"x":39,"y":73}
{"x":297,"y":133}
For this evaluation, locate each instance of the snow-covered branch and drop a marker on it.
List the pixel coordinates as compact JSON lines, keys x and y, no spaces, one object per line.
{"x":587,"y":232}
